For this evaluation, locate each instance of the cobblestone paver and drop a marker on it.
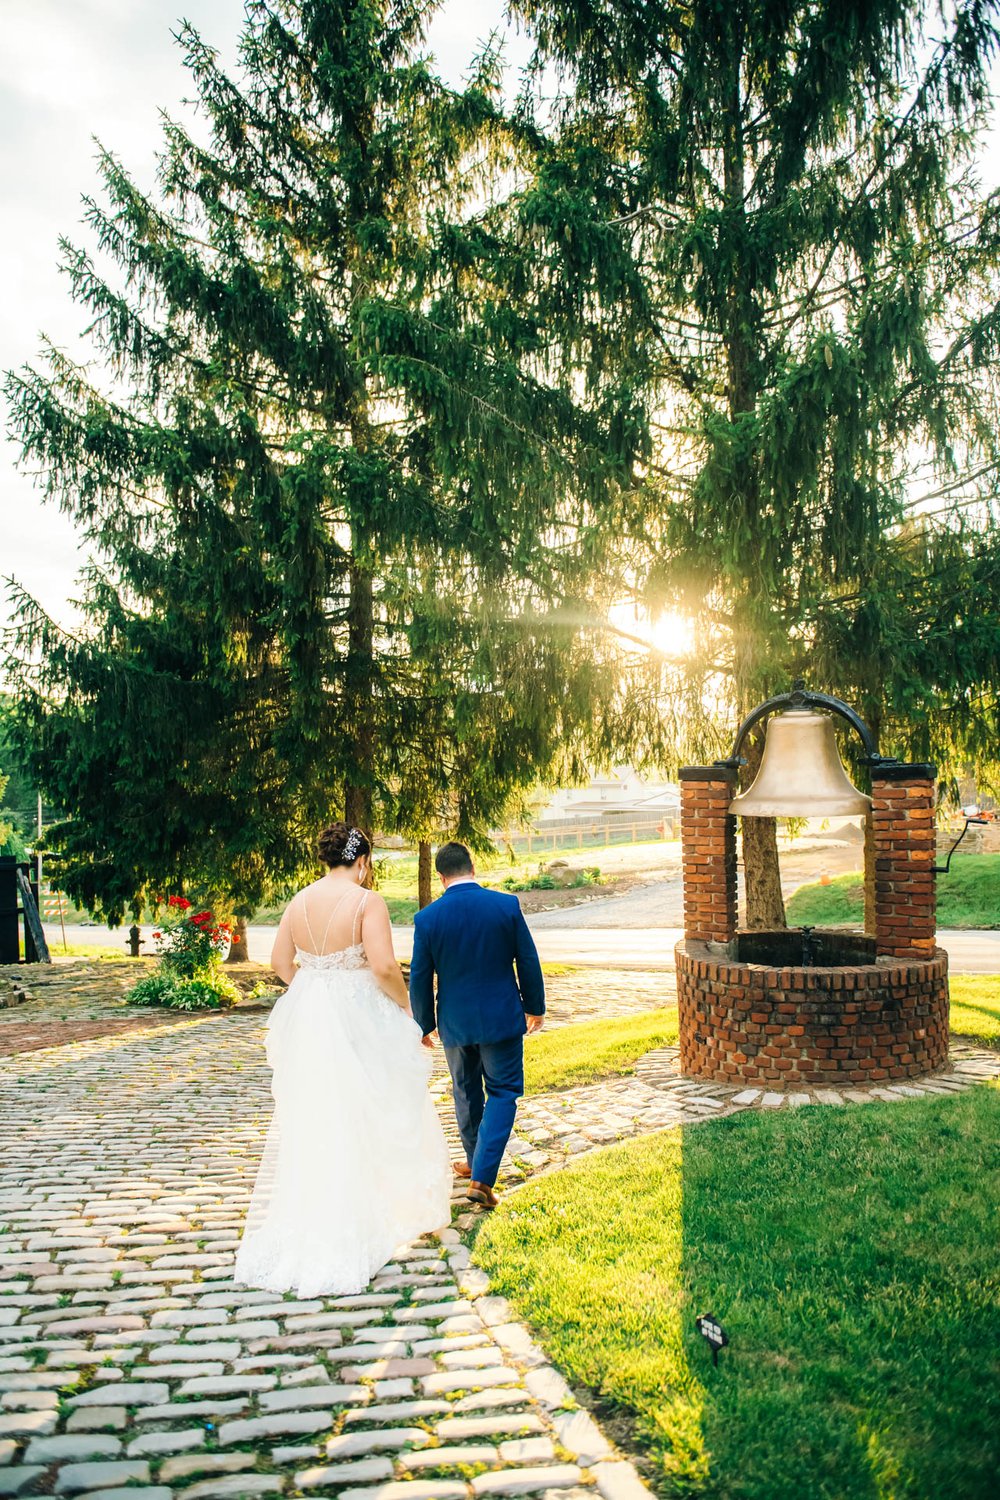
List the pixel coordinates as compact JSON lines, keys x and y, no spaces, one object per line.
{"x":78,"y":1001}
{"x":131,"y":1364}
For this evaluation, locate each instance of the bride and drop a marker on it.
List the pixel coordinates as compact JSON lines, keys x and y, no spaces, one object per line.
{"x":355,"y":1162}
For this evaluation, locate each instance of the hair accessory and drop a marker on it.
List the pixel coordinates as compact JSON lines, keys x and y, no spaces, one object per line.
{"x":353,"y":846}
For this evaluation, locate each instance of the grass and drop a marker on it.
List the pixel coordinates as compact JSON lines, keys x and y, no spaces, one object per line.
{"x":90,"y":950}
{"x":591,"y":1050}
{"x":975,"y":1007}
{"x":968,"y":896}
{"x":397,"y":878}
{"x":851,"y":1256}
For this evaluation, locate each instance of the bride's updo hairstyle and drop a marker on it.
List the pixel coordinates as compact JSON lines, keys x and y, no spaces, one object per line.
{"x":342,"y":845}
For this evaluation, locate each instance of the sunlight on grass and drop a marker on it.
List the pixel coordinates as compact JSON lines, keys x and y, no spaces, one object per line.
{"x":589,"y":1050}
{"x":92,"y":950}
{"x":841,"y":903}
{"x":975,"y":1006}
{"x":851,"y":1255}
{"x":608,"y":1302}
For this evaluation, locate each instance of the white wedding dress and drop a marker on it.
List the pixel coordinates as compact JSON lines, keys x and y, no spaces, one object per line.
{"x":355,"y":1163}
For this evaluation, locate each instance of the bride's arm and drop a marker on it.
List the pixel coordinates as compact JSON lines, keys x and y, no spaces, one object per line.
{"x":376,"y":934}
{"x":283,"y":952}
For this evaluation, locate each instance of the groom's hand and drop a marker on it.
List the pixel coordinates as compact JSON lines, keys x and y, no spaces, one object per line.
{"x":430,"y":1040}
{"x":535,"y":1023}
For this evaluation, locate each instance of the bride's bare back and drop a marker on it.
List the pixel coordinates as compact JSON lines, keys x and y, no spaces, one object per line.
{"x":326,"y":917}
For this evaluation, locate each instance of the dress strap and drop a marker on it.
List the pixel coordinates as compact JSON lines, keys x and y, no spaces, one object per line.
{"x":319,"y":947}
{"x":305,"y":913}
{"x":329,"y":920}
{"x":358,"y":913}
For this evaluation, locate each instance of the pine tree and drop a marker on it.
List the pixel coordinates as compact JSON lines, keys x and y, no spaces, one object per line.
{"x":328,"y":490}
{"x":776,"y":207}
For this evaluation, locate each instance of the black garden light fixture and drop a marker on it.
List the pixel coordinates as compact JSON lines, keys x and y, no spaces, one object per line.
{"x":713,"y":1333}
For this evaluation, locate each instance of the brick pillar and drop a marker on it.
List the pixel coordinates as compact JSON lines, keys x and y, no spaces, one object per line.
{"x":903,"y":798}
{"x":708,"y":853}
{"x":867,"y":825}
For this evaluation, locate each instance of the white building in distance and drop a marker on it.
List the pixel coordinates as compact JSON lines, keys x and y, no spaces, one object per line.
{"x":622,"y":795}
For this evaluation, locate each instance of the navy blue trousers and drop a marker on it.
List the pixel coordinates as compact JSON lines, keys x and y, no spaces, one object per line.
{"x":488,"y":1078}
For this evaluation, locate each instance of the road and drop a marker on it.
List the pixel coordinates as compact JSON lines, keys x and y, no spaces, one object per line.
{"x":601,"y":945}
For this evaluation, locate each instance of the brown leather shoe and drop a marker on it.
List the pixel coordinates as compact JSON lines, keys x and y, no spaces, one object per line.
{"x":483,"y":1194}
{"x":461,"y":1169}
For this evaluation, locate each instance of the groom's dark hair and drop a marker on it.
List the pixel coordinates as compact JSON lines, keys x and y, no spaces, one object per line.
{"x":453,"y":859}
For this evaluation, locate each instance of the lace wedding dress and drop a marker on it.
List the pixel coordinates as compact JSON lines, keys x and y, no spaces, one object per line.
{"x":355,"y":1163}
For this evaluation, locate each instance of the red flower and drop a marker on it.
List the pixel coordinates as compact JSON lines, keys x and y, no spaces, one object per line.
{"x":157,"y":935}
{"x":201,"y":918}
{"x":179,"y":902}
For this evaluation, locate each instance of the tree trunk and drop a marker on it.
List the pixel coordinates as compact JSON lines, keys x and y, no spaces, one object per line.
{"x":765,"y":905}
{"x":358,"y":681}
{"x":869,"y":831}
{"x":238,"y":952}
{"x":873,"y":718}
{"x":423,"y":874}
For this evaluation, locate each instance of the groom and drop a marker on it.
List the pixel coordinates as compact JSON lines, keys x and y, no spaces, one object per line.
{"x":473,"y":940}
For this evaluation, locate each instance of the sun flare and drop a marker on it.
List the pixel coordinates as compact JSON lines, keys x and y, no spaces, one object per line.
{"x":670,"y":633}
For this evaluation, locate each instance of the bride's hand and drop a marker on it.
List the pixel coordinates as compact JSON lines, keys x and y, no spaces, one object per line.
{"x":430,"y":1040}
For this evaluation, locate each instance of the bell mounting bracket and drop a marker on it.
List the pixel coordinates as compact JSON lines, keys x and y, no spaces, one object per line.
{"x":801,"y":697}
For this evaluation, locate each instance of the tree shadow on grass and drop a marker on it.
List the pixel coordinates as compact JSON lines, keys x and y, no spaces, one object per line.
{"x":851,"y":1257}
{"x":848,"y":1256}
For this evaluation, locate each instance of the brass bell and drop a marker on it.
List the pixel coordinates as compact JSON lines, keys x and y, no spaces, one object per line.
{"x":800,"y":774}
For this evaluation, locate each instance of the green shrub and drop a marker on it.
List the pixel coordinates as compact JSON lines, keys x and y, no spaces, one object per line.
{"x":546,"y":881}
{"x":152,"y":990}
{"x":189,"y":976}
{"x":206,"y":992}
{"x":262,"y":991}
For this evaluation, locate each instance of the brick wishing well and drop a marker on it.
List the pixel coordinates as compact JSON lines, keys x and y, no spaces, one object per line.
{"x":866,"y":1008}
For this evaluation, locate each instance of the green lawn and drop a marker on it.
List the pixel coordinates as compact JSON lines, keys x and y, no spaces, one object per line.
{"x":94,"y":951}
{"x":975,"y":1006}
{"x":852,"y":1257}
{"x":590,"y":1050}
{"x":968,"y":896}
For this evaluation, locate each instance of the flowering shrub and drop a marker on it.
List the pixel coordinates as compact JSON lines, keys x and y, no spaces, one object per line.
{"x":190,"y":944}
{"x":189,"y":976}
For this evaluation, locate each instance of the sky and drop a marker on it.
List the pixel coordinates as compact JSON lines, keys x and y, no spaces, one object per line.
{"x":70,"y":71}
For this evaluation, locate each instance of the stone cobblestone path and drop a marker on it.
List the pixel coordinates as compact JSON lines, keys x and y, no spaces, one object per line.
{"x":130,"y":1363}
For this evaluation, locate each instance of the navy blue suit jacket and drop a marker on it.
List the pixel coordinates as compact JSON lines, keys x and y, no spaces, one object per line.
{"x":473,"y":940}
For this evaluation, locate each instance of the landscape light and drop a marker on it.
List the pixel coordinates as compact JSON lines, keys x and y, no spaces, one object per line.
{"x":713,"y":1332}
